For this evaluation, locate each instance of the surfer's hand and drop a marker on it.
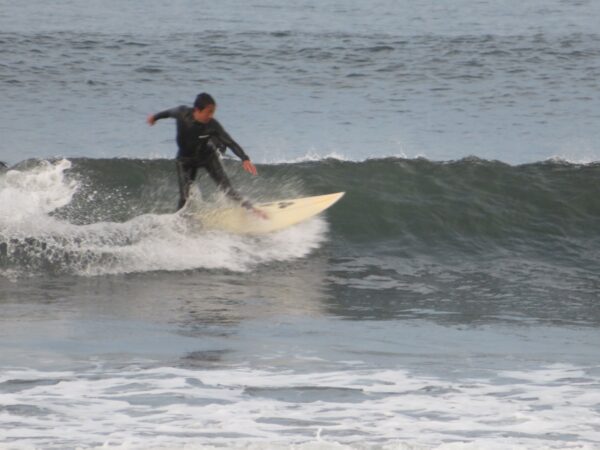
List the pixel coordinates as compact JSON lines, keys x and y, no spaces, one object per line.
{"x":151,"y":120}
{"x":249,"y":167}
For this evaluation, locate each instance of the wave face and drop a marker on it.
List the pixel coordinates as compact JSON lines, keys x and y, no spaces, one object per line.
{"x":470,"y":202}
{"x":469,"y":205}
{"x":97,"y":216}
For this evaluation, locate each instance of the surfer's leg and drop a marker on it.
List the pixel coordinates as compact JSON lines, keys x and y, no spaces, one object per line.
{"x":217,"y":173}
{"x":186,"y":173}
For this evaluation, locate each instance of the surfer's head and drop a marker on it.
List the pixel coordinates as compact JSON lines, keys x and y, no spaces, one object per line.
{"x":204,"y":107}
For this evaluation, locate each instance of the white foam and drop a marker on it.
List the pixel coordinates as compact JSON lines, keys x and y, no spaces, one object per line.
{"x":149,"y":242}
{"x":166,"y":407}
{"x":33,"y":194}
{"x":571,"y":159}
{"x":577,"y":151}
{"x":315,"y":156}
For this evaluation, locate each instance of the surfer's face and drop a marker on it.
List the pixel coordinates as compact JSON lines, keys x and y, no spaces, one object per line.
{"x":204,"y":115}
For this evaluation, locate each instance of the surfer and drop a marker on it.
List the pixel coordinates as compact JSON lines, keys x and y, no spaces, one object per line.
{"x":200,"y":138}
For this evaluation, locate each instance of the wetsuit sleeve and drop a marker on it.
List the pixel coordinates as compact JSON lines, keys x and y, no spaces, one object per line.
{"x":224,"y":137}
{"x":168,"y":113}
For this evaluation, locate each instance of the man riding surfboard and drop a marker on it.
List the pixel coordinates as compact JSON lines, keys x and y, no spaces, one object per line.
{"x":200,"y":138}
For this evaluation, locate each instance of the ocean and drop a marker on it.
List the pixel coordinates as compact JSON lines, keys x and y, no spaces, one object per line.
{"x":450,"y":300}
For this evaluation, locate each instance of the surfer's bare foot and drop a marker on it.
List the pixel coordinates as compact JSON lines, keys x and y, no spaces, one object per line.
{"x":263,"y":215}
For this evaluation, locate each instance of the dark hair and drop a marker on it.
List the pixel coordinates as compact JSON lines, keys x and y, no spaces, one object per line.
{"x":203,"y":100}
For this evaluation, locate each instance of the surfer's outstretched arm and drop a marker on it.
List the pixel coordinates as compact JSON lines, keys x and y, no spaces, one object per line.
{"x":167,"y":113}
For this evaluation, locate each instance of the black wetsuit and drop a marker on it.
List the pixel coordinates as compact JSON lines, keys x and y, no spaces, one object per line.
{"x":199,"y":146}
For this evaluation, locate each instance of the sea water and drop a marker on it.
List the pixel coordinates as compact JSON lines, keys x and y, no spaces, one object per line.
{"x":449,"y":300}
{"x":515,"y":81}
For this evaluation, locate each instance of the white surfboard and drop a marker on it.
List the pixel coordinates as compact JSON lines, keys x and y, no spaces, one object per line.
{"x":279,"y":215}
